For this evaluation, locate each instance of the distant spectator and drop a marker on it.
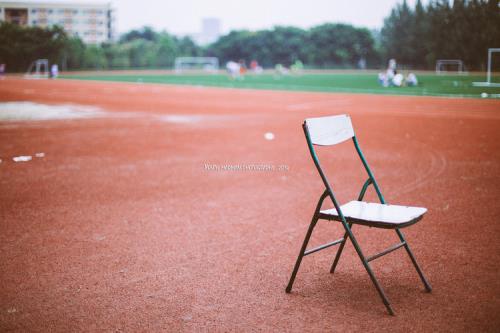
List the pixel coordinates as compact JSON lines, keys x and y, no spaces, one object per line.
{"x":254,"y":67}
{"x":280,"y":70}
{"x":2,"y":70}
{"x":243,"y":67}
{"x":54,"y":71}
{"x":382,"y":79}
{"x":233,"y":68}
{"x":398,"y":80}
{"x":411,"y":80}
{"x":297,"y":67}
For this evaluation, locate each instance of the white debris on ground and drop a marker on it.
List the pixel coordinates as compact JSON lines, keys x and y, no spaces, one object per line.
{"x":22,"y":158}
{"x":269,"y":136}
{"x":181,"y":119}
{"x":40,"y":155}
{"x":26,"y":111}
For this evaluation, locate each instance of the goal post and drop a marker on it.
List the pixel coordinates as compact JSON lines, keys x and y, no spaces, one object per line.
{"x":442,"y":65}
{"x":208,"y":64}
{"x":488,"y":82}
{"x":39,"y":69}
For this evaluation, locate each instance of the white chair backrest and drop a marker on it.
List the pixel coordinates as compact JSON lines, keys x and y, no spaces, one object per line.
{"x":326,"y":131}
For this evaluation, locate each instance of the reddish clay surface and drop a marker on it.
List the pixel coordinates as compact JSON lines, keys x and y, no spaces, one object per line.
{"x":121,"y":228}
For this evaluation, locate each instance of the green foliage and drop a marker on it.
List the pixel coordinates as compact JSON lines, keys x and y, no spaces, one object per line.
{"x":465,"y":30}
{"x":146,"y":33}
{"x":340,"y":45}
{"x":143,"y":48}
{"x":416,"y":37}
{"x":20,"y":46}
{"x":94,"y":57}
{"x":328,"y":45}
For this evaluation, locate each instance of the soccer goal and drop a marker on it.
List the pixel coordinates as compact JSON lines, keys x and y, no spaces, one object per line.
{"x":207,"y":64}
{"x":444,"y":66}
{"x":39,"y":69}
{"x":488,"y":82}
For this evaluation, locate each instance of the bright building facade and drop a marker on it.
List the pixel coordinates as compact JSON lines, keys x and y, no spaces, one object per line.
{"x":92,"y":22}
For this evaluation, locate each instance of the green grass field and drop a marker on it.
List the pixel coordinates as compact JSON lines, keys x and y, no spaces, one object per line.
{"x":429,"y":84}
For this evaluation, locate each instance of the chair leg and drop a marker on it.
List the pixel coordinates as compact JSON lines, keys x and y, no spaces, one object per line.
{"x":339,"y":252}
{"x":368,"y":269}
{"x":302,"y":250}
{"x":427,"y":285}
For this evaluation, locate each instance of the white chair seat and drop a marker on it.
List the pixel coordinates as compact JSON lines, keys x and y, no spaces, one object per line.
{"x":376,"y":215}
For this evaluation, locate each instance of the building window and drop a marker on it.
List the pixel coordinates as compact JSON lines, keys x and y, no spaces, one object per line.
{"x":33,"y":11}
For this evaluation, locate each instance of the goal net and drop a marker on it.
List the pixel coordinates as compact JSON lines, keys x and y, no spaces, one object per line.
{"x":39,"y":69}
{"x":489,"y":78}
{"x":446,"y":66}
{"x":207,"y":64}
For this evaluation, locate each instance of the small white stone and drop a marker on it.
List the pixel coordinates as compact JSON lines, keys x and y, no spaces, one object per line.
{"x":269,"y":136}
{"x":21,"y":158}
{"x":40,"y":154}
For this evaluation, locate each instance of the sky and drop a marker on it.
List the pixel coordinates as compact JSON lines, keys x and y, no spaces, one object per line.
{"x":182,"y":17}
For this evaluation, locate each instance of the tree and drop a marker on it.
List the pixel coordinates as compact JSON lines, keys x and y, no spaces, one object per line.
{"x":20,"y":46}
{"x":340,"y":45}
{"x":463,"y":31}
{"x":94,"y":57}
{"x":146,"y":33}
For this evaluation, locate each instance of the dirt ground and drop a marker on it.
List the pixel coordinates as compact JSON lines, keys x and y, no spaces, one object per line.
{"x":129,"y":223}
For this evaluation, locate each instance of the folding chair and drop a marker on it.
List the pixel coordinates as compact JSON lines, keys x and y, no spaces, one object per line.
{"x":328,"y":131}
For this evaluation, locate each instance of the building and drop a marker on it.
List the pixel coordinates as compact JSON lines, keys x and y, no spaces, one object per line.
{"x":210,"y":31}
{"x":92,"y":22}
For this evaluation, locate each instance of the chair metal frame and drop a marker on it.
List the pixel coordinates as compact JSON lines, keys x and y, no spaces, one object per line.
{"x":328,"y":192}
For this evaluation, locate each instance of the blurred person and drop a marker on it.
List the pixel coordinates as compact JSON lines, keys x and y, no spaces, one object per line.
{"x":280,"y":70}
{"x":54,"y":71}
{"x":391,"y":70}
{"x":2,"y":70}
{"x":243,"y":67}
{"x":382,"y":79}
{"x":233,"y":69}
{"x":398,"y":80}
{"x":255,"y":68}
{"x":411,"y":80}
{"x":297,"y":67}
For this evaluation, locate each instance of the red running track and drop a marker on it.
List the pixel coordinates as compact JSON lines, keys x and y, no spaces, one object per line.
{"x":120,"y":227}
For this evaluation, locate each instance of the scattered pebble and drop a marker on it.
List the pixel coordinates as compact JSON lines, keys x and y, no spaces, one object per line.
{"x":187,"y":318}
{"x":269,"y":136}
{"x":21,"y":158}
{"x":99,"y":238}
{"x":40,"y":155}
{"x":11,"y":310}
